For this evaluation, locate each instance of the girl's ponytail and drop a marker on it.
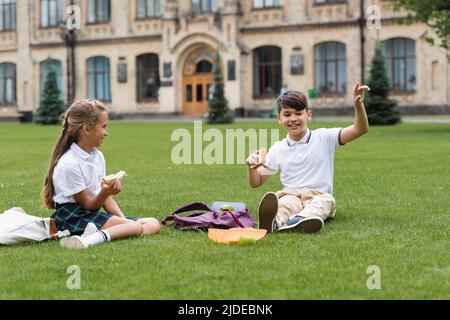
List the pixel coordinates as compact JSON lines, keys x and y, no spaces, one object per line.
{"x":63,"y":144}
{"x":82,"y":112}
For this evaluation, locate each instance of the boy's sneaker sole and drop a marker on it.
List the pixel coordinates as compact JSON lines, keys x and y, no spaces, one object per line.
{"x":267,"y":211}
{"x":74,"y":242}
{"x":307,"y":225}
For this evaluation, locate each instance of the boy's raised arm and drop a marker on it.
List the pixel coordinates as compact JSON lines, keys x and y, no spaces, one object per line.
{"x":361,"y":125}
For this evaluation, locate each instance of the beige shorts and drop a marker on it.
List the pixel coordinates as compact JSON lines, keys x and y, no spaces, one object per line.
{"x":304,"y":202}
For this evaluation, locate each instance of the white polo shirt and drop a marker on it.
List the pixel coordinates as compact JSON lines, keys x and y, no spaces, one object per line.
{"x":76,"y":171}
{"x":307,"y":163}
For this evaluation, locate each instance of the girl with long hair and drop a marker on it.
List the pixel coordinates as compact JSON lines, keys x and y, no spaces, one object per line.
{"x":73,"y":185}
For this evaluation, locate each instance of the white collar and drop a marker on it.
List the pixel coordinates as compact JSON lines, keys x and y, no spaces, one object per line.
{"x":303,"y":140}
{"x":81,"y":153}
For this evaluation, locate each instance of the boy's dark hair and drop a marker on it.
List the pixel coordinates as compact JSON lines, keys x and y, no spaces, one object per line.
{"x":292,"y":99}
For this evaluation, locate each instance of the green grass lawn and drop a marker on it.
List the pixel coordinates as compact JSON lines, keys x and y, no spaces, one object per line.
{"x":392,"y":189}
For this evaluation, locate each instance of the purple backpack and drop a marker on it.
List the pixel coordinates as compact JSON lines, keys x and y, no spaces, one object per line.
{"x":208,"y":218}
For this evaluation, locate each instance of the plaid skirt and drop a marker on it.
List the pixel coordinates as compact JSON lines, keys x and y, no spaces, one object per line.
{"x":73,"y":217}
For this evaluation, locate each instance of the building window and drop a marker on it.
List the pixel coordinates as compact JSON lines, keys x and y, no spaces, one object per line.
{"x":267,"y":71}
{"x":330,"y":67}
{"x":204,"y":6}
{"x":435,"y":75}
{"x":46,"y":67}
{"x":400,"y":54}
{"x":51,"y":13}
{"x":149,"y":8}
{"x":329,"y":1}
{"x":204,"y":66}
{"x":231,"y":70}
{"x":7,"y":15}
{"x":99,"y":87}
{"x":147,"y":77}
{"x":7,"y":84}
{"x":263,"y":4}
{"x":99,"y":11}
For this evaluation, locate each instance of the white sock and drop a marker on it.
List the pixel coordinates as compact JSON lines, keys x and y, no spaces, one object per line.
{"x":96,"y":238}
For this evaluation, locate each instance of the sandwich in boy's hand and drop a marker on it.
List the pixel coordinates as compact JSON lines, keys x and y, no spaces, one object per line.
{"x":261,"y":159}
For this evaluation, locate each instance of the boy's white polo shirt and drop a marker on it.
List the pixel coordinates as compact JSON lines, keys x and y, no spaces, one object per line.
{"x":307,"y":163}
{"x":76,"y":171}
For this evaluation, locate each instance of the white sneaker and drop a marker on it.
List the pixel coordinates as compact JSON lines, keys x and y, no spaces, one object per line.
{"x":73,"y":242}
{"x":91,"y":228}
{"x":302,"y":224}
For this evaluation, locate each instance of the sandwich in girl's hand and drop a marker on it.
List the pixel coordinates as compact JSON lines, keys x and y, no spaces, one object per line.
{"x":113,"y":177}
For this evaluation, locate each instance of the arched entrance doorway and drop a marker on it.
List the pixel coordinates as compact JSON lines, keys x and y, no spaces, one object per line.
{"x":197,"y":80}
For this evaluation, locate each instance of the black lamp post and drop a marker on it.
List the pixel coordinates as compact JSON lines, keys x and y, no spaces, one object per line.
{"x":362,"y":39}
{"x":70,"y":38}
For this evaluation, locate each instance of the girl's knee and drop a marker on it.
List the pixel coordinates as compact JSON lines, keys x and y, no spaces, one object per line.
{"x":150,"y":225}
{"x":153,"y":226}
{"x":149,"y":220}
{"x":136,"y":228}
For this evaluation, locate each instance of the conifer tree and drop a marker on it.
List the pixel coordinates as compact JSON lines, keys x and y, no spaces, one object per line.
{"x":380,"y":109}
{"x":219,"y":111}
{"x":51,"y":106}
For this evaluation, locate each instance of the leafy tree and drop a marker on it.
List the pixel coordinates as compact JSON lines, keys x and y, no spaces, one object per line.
{"x":435,"y":13}
{"x":219,"y":111}
{"x":51,"y":106}
{"x":380,"y":109}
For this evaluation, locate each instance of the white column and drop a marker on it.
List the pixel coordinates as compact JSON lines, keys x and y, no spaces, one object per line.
{"x":24,"y":68}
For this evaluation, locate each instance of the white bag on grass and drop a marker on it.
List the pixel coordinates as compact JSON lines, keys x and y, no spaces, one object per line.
{"x":16,"y":226}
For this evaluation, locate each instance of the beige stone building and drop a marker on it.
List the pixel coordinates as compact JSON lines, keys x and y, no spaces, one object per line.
{"x":157,"y":56}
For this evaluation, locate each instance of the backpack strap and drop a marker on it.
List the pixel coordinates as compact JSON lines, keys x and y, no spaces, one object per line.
{"x":238,"y":223}
{"x":165,"y":221}
{"x":53,"y":230}
{"x":193,"y":206}
{"x":186,"y":208}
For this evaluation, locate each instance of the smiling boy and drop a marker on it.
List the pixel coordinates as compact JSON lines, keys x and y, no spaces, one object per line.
{"x":305,"y":161}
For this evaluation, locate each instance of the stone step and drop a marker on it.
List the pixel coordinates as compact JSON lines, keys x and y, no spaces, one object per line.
{"x":10,"y":114}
